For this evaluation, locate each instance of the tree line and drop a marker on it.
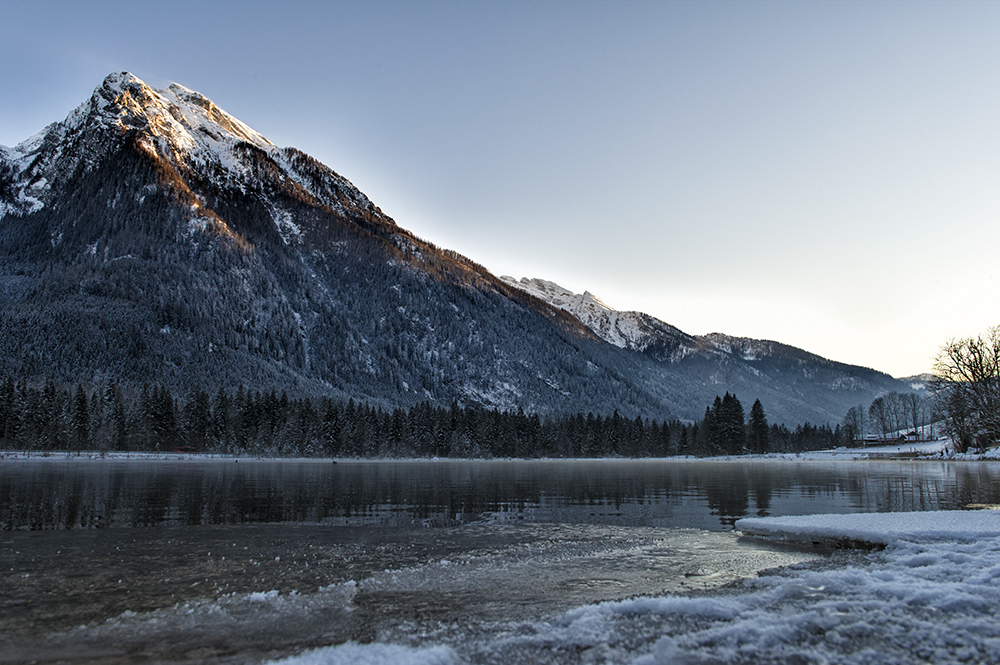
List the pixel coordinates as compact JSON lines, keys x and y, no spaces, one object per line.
{"x":964,"y":401}
{"x":112,"y":417}
{"x":890,"y":417}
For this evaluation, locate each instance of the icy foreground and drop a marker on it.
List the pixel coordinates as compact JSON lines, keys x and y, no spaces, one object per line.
{"x":932,"y":596}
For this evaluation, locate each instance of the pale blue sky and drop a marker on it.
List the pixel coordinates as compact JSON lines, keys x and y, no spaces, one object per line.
{"x":822,"y":174}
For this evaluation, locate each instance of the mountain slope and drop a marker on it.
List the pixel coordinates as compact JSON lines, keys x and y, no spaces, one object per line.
{"x":151,"y":237}
{"x":627,"y":330}
{"x":795,"y":384}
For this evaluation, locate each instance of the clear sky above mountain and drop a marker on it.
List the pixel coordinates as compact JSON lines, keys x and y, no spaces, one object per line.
{"x":822,"y":174}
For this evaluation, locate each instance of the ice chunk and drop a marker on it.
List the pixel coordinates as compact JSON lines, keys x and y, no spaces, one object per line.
{"x":878,"y":528}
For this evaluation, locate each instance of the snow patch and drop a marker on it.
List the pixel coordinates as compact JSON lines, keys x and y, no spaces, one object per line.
{"x":197,"y":225}
{"x":263,"y":596}
{"x":374,"y":654}
{"x":741,"y":347}
{"x":291,"y":233}
{"x":926,"y":601}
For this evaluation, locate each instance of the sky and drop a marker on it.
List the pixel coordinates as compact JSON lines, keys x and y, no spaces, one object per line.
{"x":823,"y":174}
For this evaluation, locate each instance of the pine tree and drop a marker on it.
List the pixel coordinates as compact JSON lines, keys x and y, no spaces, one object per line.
{"x":221,"y":431}
{"x":7,"y":413}
{"x":48,"y":419}
{"x":197,"y":418}
{"x":80,"y":419}
{"x":714,"y":430}
{"x":758,"y":429}
{"x":733,"y":428}
{"x":161,"y":416}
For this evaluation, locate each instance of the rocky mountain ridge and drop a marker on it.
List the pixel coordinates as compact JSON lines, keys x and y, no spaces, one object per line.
{"x":644,"y":333}
{"x":635,"y":331}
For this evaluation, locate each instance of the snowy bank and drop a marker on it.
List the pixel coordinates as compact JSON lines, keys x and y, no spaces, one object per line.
{"x":914,"y":449}
{"x":938,"y":449}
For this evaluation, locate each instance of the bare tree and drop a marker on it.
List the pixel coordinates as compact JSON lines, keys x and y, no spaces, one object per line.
{"x":897,"y":414}
{"x":853,"y":424}
{"x":917,"y":412}
{"x":880,"y":415}
{"x":968,"y":389}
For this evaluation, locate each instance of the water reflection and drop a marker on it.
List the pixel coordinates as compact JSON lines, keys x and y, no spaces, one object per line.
{"x":70,"y":494}
{"x":728,"y":496}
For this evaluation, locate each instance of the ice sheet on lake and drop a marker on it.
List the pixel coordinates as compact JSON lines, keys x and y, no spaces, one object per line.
{"x":932,"y":596}
{"x":880,"y":528}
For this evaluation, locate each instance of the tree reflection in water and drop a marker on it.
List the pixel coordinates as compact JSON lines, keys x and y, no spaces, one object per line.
{"x":68,"y":494}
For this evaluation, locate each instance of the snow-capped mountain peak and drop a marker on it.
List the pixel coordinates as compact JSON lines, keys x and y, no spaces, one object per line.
{"x":184,"y":122}
{"x":626,"y":330}
{"x":176,"y":125}
{"x":559,"y":296}
{"x":175,"y":112}
{"x":184,"y":132}
{"x":199,"y":113}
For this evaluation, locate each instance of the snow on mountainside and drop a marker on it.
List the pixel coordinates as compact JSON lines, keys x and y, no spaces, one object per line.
{"x":178,"y":123}
{"x":626,"y":330}
{"x":641,"y":332}
{"x":179,"y":126}
{"x":920,"y":382}
{"x":789,"y":379}
{"x":152,"y":237}
{"x":638,"y":331}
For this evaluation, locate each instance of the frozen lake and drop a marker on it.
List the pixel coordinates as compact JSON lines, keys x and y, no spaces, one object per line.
{"x":224,"y":561}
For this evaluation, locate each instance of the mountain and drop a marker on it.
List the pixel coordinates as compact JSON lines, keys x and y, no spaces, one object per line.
{"x":797,"y":385}
{"x":626,"y":330}
{"x":150,"y":237}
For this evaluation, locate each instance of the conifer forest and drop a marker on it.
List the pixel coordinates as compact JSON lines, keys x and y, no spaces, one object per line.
{"x":248,"y":423}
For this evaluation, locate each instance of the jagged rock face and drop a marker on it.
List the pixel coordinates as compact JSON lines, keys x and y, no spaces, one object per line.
{"x":152,"y":237}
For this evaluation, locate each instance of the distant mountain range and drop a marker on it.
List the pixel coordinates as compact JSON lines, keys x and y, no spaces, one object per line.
{"x":151,"y":237}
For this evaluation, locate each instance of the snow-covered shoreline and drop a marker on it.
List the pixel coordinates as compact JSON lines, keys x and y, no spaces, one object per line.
{"x":936,"y":450}
{"x":932,"y":596}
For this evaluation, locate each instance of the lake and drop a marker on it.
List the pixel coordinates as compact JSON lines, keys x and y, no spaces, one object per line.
{"x":224,"y":560}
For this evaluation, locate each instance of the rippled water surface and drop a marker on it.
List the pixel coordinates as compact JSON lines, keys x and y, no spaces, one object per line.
{"x":226,"y":561}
